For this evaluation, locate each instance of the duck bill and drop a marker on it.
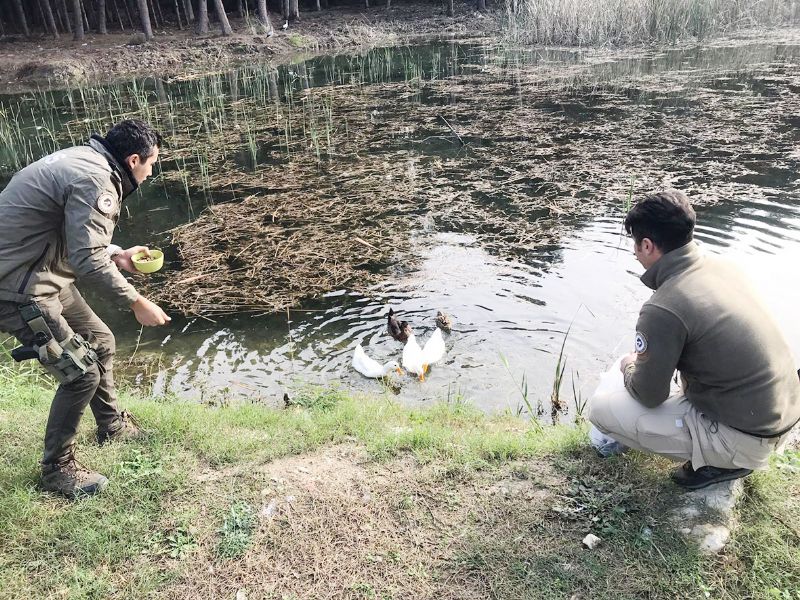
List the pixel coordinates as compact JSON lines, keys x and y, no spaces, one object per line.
{"x":400,"y":371}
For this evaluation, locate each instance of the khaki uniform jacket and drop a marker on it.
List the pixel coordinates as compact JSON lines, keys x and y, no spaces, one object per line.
{"x":706,"y":321}
{"x":57,"y":216}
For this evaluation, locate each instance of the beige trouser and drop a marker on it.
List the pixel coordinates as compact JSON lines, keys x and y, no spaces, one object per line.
{"x":676,"y":429}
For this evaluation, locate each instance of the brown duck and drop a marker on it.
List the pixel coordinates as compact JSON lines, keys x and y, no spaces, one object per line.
{"x":399,"y":330}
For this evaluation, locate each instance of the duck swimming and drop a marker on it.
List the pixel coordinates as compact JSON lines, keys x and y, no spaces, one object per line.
{"x":443,"y":321}
{"x":369,"y":367}
{"x":417,"y":360}
{"x":399,"y":330}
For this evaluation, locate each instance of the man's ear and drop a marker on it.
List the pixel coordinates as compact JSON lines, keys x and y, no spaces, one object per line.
{"x":133,"y":161}
{"x":647,"y":246}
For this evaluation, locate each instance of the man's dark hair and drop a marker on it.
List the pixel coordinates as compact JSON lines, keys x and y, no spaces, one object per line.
{"x":133,"y":137}
{"x":666,"y":218}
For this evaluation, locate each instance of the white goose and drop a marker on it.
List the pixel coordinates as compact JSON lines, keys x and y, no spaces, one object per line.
{"x":417,"y":360}
{"x":369,"y":367}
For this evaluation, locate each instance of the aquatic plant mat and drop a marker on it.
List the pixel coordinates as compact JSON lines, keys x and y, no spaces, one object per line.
{"x":328,"y":175}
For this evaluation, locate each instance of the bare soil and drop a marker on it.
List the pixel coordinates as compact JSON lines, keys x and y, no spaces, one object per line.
{"x":44,"y":62}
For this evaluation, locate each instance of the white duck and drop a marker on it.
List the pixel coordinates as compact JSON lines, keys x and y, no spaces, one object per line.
{"x":369,"y":367}
{"x":417,"y":360}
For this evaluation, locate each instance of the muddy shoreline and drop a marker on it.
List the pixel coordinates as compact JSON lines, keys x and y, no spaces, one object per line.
{"x":30,"y":64}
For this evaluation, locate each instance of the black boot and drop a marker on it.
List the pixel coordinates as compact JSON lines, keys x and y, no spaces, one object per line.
{"x":686,"y":476}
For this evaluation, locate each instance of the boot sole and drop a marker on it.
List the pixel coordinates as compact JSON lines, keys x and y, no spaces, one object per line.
{"x":83,"y":492}
{"x":720,"y":479}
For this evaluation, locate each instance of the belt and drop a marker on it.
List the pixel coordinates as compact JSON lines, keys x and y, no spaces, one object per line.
{"x":768,"y":436}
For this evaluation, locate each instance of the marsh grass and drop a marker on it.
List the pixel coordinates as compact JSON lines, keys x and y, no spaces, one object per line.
{"x":630,"y":22}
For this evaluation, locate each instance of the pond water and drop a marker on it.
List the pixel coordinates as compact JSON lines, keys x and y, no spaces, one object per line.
{"x":516,"y":233}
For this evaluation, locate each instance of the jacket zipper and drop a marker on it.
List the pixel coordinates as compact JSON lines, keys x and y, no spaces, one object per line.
{"x":33,"y":268}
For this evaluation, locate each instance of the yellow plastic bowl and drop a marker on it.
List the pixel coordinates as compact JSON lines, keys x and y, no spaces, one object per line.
{"x":143,"y":264}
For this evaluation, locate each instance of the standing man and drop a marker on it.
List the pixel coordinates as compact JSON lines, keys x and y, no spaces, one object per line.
{"x":741,"y":394}
{"x":57,"y":216}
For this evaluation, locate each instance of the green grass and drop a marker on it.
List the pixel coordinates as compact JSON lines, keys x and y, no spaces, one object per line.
{"x":184,"y":504}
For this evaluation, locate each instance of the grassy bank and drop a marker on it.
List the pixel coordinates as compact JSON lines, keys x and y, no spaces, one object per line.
{"x":359,"y":498}
{"x":627,"y":22}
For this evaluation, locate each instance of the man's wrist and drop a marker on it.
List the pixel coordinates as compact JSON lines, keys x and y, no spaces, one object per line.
{"x":113,"y":251}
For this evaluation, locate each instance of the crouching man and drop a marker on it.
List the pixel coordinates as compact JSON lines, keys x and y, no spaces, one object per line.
{"x":740,"y":392}
{"x":57,"y":216}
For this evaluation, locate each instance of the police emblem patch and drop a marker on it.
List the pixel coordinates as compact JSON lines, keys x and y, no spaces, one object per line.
{"x":106,"y":203}
{"x":640,"y":343}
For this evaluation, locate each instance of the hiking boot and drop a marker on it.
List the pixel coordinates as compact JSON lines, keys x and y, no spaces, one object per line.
{"x":686,"y":476}
{"x":125,"y":429}
{"x":71,"y":479}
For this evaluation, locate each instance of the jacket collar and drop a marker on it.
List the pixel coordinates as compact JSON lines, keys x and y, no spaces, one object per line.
{"x":117,"y":164}
{"x":670,"y":264}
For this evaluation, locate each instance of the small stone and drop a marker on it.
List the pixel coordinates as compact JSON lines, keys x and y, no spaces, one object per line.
{"x":591,"y":541}
{"x":268,"y":511}
{"x":241,"y":595}
{"x":712,"y":538}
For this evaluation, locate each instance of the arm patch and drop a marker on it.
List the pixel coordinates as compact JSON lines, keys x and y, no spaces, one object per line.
{"x":106,"y":203}
{"x":640,"y":343}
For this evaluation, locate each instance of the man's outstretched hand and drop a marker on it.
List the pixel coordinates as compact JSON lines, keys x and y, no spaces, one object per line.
{"x":123,"y":259}
{"x":148,"y":313}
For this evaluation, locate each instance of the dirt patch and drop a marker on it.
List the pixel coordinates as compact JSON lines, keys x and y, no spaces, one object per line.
{"x":334,"y":523}
{"x":27,"y":64}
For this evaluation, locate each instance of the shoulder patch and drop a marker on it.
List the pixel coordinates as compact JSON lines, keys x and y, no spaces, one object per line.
{"x":640,"y":343}
{"x":106,"y":203}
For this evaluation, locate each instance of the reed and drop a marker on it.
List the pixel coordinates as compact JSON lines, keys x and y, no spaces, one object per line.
{"x":632,"y":22}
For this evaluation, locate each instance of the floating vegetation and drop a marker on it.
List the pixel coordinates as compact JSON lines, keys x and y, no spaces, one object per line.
{"x":319,"y":176}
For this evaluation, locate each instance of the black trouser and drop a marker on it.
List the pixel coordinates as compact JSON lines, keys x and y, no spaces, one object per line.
{"x":66,"y":313}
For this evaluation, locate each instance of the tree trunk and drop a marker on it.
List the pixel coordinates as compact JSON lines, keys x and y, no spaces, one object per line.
{"x":128,"y":12}
{"x":101,"y":17}
{"x":62,"y":10}
{"x":152,"y":12}
{"x":156,"y":4}
{"x":239,"y":9}
{"x":49,"y":20}
{"x":178,"y":15}
{"x":144,"y":17}
{"x":85,"y":18}
{"x":23,"y":21}
{"x":77,"y":20}
{"x":450,"y":8}
{"x":263,"y":15}
{"x":481,"y":5}
{"x":388,"y":3}
{"x":285,"y":10}
{"x":119,"y":15}
{"x":188,"y":10}
{"x":88,"y":12}
{"x":202,"y":16}
{"x":318,"y":6}
{"x":294,"y":10}
{"x":224,"y":24}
